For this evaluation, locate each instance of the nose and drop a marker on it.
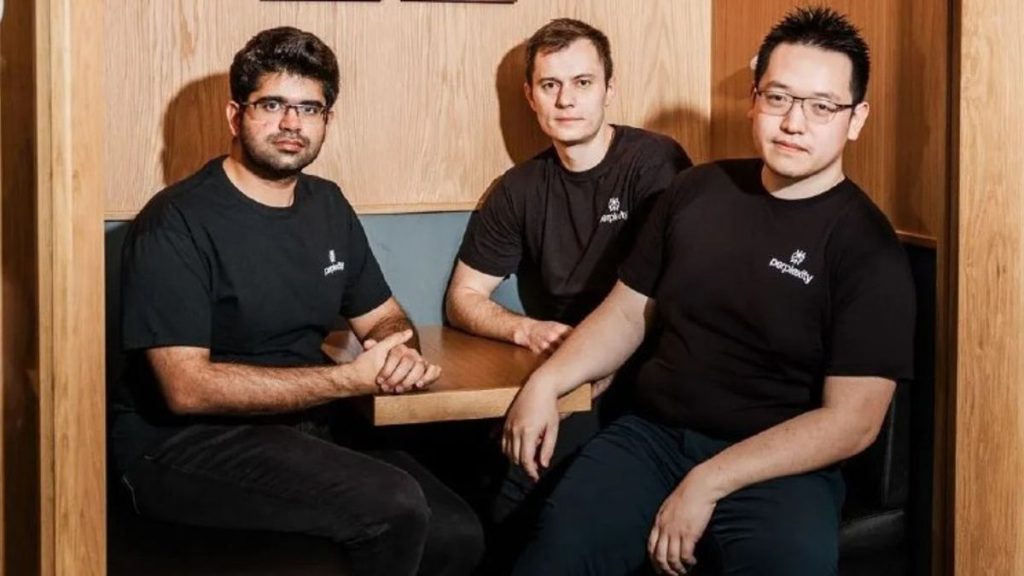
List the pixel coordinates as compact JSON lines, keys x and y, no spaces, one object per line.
{"x":566,"y":97}
{"x":794,"y":121}
{"x":290,"y":119}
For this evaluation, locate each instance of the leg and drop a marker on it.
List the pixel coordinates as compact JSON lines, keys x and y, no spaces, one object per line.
{"x":598,"y":518}
{"x":518,"y":495}
{"x":455,"y":539}
{"x":276,"y":478}
{"x":786,"y":526}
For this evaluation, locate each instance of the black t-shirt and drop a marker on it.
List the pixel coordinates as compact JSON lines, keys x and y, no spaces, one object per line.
{"x":759,"y":299}
{"x":565,"y":233}
{"x":204,"y":265}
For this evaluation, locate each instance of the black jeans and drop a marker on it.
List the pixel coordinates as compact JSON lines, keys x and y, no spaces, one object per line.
{"x":599,"y":517}
{"x":390,"y":515}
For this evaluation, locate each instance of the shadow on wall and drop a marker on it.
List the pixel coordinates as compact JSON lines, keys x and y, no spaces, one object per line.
{"x":195,"y":127}
{"x":674,"y":122}
{"x":523,"y":137}
{"x":730,"y":135}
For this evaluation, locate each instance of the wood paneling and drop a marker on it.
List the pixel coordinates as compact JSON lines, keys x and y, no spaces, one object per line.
{"x":20,"y":391}
{"x":431,"y":108}
{"x":989,"y":530}
{"x":900,"y":158}
{"x":72,"y":169}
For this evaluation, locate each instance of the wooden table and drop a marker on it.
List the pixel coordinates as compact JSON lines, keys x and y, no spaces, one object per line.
{"x":479,"y":379}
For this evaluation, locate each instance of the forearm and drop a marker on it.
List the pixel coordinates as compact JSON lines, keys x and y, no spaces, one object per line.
{"x":600,"y":344}
{"x":204,"y":387}
{"x":477,"y":314}
{"x":808,"y":442}
{"x":392,"y":324}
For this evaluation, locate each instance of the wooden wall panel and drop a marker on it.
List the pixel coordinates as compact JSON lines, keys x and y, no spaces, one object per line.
{"x":431,"y":107}
{"x":20,"y":318}
{"x":900,"y":158}
{"x":989,"y":531}
{"x":71,"y":170}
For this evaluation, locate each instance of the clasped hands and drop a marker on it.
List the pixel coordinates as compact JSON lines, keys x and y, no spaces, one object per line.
{"x":395,"y":368}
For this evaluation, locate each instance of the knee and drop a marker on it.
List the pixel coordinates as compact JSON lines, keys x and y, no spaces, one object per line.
{"x":390,"y":505}
{"x":786,"y":554}
{"x":401,"y":504}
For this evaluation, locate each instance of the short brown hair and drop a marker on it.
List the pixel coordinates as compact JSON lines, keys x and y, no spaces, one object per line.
{"x":558,"y":34}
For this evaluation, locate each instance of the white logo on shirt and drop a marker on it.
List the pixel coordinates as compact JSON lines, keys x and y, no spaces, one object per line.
{"x":335,"y":266}
{"x":796,"y":259}
{"x":614,"y":214}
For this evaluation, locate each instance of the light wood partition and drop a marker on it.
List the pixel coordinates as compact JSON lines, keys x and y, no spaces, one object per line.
{"x":70,"y":48}
{"x":431,"y":107}
{"x":900,"y":158}
{"x":989,"y":527}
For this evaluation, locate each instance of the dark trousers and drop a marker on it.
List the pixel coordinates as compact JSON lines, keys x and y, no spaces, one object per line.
{"x":390,"y":515}
{"x":598,"y":518}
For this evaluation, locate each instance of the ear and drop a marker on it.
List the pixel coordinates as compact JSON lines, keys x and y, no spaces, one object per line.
{"x":753,"y":99}
{"x":609,"y":93}
{"x":233,"y":112}
{"x":857,"y":120}
{"x":528,"y":92}
{"x":329,"y":117}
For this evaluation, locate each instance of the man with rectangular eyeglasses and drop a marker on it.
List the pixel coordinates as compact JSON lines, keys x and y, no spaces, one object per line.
{"x":231,"y":280}
{"x":781,"y":307}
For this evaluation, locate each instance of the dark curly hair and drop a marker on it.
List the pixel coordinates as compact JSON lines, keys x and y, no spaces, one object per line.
{"x":288,"y":50}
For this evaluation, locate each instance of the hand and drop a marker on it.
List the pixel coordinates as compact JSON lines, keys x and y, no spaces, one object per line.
{"x":531,"y":423}
{"x":541,"y":336}
{"x":403,"y":369}
{"x":368,"y":364}
{"x":680,"y":522}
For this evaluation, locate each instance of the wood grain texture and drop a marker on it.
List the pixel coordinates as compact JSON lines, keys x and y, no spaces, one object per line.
{"x":71,"y":180}
{"x":431,"y":107}
{"x":20,"y":391}
{"x":900,"y":158}
{"x":479,"y":379}
{"x":989,"y":529}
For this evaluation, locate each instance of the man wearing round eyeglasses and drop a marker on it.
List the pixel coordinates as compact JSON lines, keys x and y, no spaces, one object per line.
{"x":781,"y":306}
{"x":231,"y":280}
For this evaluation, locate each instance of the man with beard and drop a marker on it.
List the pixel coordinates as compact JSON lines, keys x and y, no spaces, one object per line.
{"x":231,"y":280}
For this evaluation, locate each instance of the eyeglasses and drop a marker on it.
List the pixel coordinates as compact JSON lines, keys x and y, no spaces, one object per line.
{"x":272,"y":109}
{"x":817,"y":110}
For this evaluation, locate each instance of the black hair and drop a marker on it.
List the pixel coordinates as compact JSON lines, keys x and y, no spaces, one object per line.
{"x":283,"y":50}
{"x":823,"y":28}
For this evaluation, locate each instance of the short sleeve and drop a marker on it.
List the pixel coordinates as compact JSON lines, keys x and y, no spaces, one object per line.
{"x":642,"y":269}
{"x":165,"y":287}
{"x":366,"y":287}
{"x":873,"y":317}
{"x":662,"y":166}
{"x":493,"y":243}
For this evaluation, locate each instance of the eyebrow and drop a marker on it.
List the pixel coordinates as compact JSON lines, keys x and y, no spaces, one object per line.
{"x":584,"y":76}
{"x":283,"y":100}
{"x":832,"y":96}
